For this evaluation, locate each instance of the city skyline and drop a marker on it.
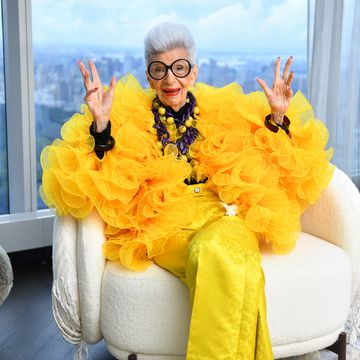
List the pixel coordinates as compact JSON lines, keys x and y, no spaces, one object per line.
{"x":60,"y":71}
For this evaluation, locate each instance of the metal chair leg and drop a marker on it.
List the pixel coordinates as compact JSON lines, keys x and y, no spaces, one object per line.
{"x":339,"y":347}
{"x":132,"y":357}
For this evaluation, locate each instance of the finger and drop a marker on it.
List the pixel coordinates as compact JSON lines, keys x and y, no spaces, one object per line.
{"x":112,"y":86}
{"x":277,"y":68}
{"x":262,"y":83}
{"x":81,"y":67}
{"x":85,"y":74}
{"x":289,"y":93}
{"x":95,"y":75}
{"x":287,"y":67}
{"x":91,"y":91}
{"x":290,"y":78}
{"x":87,"y":81}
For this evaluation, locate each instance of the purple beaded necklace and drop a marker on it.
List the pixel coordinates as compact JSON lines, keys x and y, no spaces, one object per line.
{"x":180,"y":119}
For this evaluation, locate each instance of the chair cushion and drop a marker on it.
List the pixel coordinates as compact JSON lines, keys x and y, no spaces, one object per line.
{"x":308,"y":296}
{"x":308,"y":291}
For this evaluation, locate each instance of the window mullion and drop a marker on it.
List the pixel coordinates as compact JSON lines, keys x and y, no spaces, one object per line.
{"x":20,"y":111}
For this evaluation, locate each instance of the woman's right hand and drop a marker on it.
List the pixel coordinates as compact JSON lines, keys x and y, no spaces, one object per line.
{"x":97,"y":99}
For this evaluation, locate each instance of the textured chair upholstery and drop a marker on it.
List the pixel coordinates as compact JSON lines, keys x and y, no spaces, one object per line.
{"x":6,"y":275}
{"x":309,"y":292}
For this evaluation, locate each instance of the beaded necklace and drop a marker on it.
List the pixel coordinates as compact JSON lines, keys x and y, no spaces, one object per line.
{"x":176,"y":131}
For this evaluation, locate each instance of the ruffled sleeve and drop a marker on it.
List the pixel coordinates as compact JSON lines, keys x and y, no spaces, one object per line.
{"x":138,"y":192}
{"x":270,"y":176}
{"x":63,"y":162}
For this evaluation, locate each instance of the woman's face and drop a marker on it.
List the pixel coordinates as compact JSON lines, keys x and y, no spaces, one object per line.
{"x":172,"y":90}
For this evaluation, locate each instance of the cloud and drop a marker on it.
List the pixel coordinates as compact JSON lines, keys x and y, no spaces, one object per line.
{"x":243,"y":26}
{"x":227,"y":26}
{"x":231,"y":25}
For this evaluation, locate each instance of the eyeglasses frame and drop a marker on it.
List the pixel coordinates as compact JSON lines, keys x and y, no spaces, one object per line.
{"x":170,"y":67}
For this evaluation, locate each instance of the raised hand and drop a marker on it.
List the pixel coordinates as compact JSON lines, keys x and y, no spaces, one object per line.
{"x":280,"y":95}
{"x":97,"y":99}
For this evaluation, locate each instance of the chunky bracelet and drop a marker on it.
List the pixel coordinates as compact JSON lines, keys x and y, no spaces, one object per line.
{"x":103,"y":140}
{"x":105,"y":147}
{"x":275,"y":127}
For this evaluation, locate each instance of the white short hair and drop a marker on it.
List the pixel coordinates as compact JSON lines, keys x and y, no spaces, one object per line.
{"x":168,"y":36}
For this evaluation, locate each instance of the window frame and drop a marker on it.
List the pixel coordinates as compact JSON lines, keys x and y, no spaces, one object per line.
{"x":25,"y":227}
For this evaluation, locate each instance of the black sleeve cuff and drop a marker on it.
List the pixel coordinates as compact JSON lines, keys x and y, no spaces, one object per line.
{"x":103,"y":140}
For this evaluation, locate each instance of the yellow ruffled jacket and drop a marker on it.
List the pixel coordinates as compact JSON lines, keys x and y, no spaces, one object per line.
{"x":141,"y":194}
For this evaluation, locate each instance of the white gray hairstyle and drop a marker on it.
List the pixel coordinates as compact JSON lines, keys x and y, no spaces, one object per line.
{"x":168,"y":36}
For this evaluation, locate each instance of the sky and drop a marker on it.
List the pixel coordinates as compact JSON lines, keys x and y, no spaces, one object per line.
{"x":229,"y":25}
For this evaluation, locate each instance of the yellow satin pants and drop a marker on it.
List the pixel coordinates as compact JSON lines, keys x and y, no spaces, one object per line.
{"x":218,"y":259}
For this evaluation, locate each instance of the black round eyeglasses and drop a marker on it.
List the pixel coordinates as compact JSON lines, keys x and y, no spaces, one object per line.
{"x":180,"y":68}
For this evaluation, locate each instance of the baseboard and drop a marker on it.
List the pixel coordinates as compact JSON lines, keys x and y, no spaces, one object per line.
{"x":30,"y":256}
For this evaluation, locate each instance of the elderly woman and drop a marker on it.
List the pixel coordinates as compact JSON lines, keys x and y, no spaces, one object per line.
{"x":196,"y":179}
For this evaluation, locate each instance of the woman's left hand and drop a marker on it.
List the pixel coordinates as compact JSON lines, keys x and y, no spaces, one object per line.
{"x":280,"y":95}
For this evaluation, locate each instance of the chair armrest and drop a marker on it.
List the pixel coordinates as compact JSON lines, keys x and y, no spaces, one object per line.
{"x":65,"y":294}
{"x":336,"y":219}
{"x":78,"y":267}
{"x":90,"y":269}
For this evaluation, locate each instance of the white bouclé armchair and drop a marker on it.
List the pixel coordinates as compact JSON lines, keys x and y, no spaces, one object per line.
{"x":311,"y":292}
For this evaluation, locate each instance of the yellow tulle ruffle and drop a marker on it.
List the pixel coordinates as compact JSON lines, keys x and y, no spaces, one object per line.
{"x":141,"y":195}
{"x":270,"y":176}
